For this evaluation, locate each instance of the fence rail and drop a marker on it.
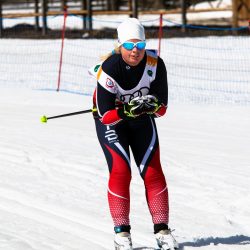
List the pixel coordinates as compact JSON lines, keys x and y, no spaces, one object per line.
{"x":86,"y":9}
{"x":119,"y":12}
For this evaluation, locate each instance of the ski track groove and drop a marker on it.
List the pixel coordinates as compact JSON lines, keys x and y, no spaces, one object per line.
{"x":77,"y":225}
{"x":10,"y":238}
{"x":45,"y":214}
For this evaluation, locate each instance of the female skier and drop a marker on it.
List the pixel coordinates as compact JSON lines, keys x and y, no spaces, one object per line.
{"x":131,"y":91}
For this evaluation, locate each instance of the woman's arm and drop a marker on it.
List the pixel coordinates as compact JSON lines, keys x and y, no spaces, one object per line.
{"x":105,"y":104}
{"x":159,"y":88}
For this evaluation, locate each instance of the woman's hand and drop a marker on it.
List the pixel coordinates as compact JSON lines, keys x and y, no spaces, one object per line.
{"x":148,"y":104}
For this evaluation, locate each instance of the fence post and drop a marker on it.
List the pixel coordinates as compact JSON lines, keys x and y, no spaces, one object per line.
{"x":183,"y":15}
{"x":235,"y":16}
{"x":1,"y":19}
{"x":63,"y":4}
{"x":65,"y":14}
{"x":44,"y":16}
{"x":89,"y":15}
{"x":135,"y":8}
{"x":160,"y":33}
{"x":84,"y":7}
{"x":36,"y":17}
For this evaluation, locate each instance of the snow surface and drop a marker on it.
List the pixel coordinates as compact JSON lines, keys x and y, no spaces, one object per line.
{"x":53,"y":176}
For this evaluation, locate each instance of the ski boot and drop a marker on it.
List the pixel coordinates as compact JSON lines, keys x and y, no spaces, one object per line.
{"x":166,"y":240}
{"x":123,"y":241}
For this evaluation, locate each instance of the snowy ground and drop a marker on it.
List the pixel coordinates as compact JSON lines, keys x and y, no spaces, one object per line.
{"x":53,"y":176}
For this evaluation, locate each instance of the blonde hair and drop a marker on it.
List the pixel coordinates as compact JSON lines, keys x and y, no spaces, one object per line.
{"x":116,"y":50}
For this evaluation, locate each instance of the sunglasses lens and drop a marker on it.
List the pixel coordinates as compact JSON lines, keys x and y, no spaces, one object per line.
{"x":141,"y":45}
{"x":128,"y":45}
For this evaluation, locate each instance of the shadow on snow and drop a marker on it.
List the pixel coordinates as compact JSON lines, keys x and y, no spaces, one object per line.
{"x":232,"y":240}
{"x":145,"y":248}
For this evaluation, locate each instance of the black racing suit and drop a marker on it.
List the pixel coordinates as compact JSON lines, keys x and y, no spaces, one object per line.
{"x":117,"y":135}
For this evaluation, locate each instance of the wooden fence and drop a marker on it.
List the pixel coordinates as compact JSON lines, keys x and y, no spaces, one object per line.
{"x":240,"y":10}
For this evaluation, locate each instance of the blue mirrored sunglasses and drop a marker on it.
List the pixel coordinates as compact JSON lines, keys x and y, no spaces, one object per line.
{"x":130,"y":45}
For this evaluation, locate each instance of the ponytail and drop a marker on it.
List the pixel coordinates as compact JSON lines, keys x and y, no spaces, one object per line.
{"x":116,"y":50}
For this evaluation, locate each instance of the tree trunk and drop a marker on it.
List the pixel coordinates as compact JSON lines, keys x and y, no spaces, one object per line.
{"x":113,"y":4}
{"x":154,"y":4}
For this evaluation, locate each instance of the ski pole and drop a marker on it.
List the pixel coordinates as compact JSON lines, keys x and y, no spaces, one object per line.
{"x":44,"y":118}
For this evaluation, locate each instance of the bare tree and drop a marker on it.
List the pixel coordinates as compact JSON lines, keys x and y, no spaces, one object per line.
{"x":152,"y":4}
{"x":113,"y":4}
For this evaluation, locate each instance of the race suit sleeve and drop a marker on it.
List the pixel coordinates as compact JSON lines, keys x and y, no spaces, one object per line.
{"x":159,"y":87}
{"x":105,"y":103}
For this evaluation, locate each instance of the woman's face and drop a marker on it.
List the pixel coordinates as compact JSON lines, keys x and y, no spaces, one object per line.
{"x":134,"y":56}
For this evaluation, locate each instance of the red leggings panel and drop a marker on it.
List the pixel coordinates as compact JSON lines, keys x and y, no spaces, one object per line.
{"x":156,"y":190}
{"x":118,"y":189}
{"x":155,"y":186}
{"x":115,"y":142}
